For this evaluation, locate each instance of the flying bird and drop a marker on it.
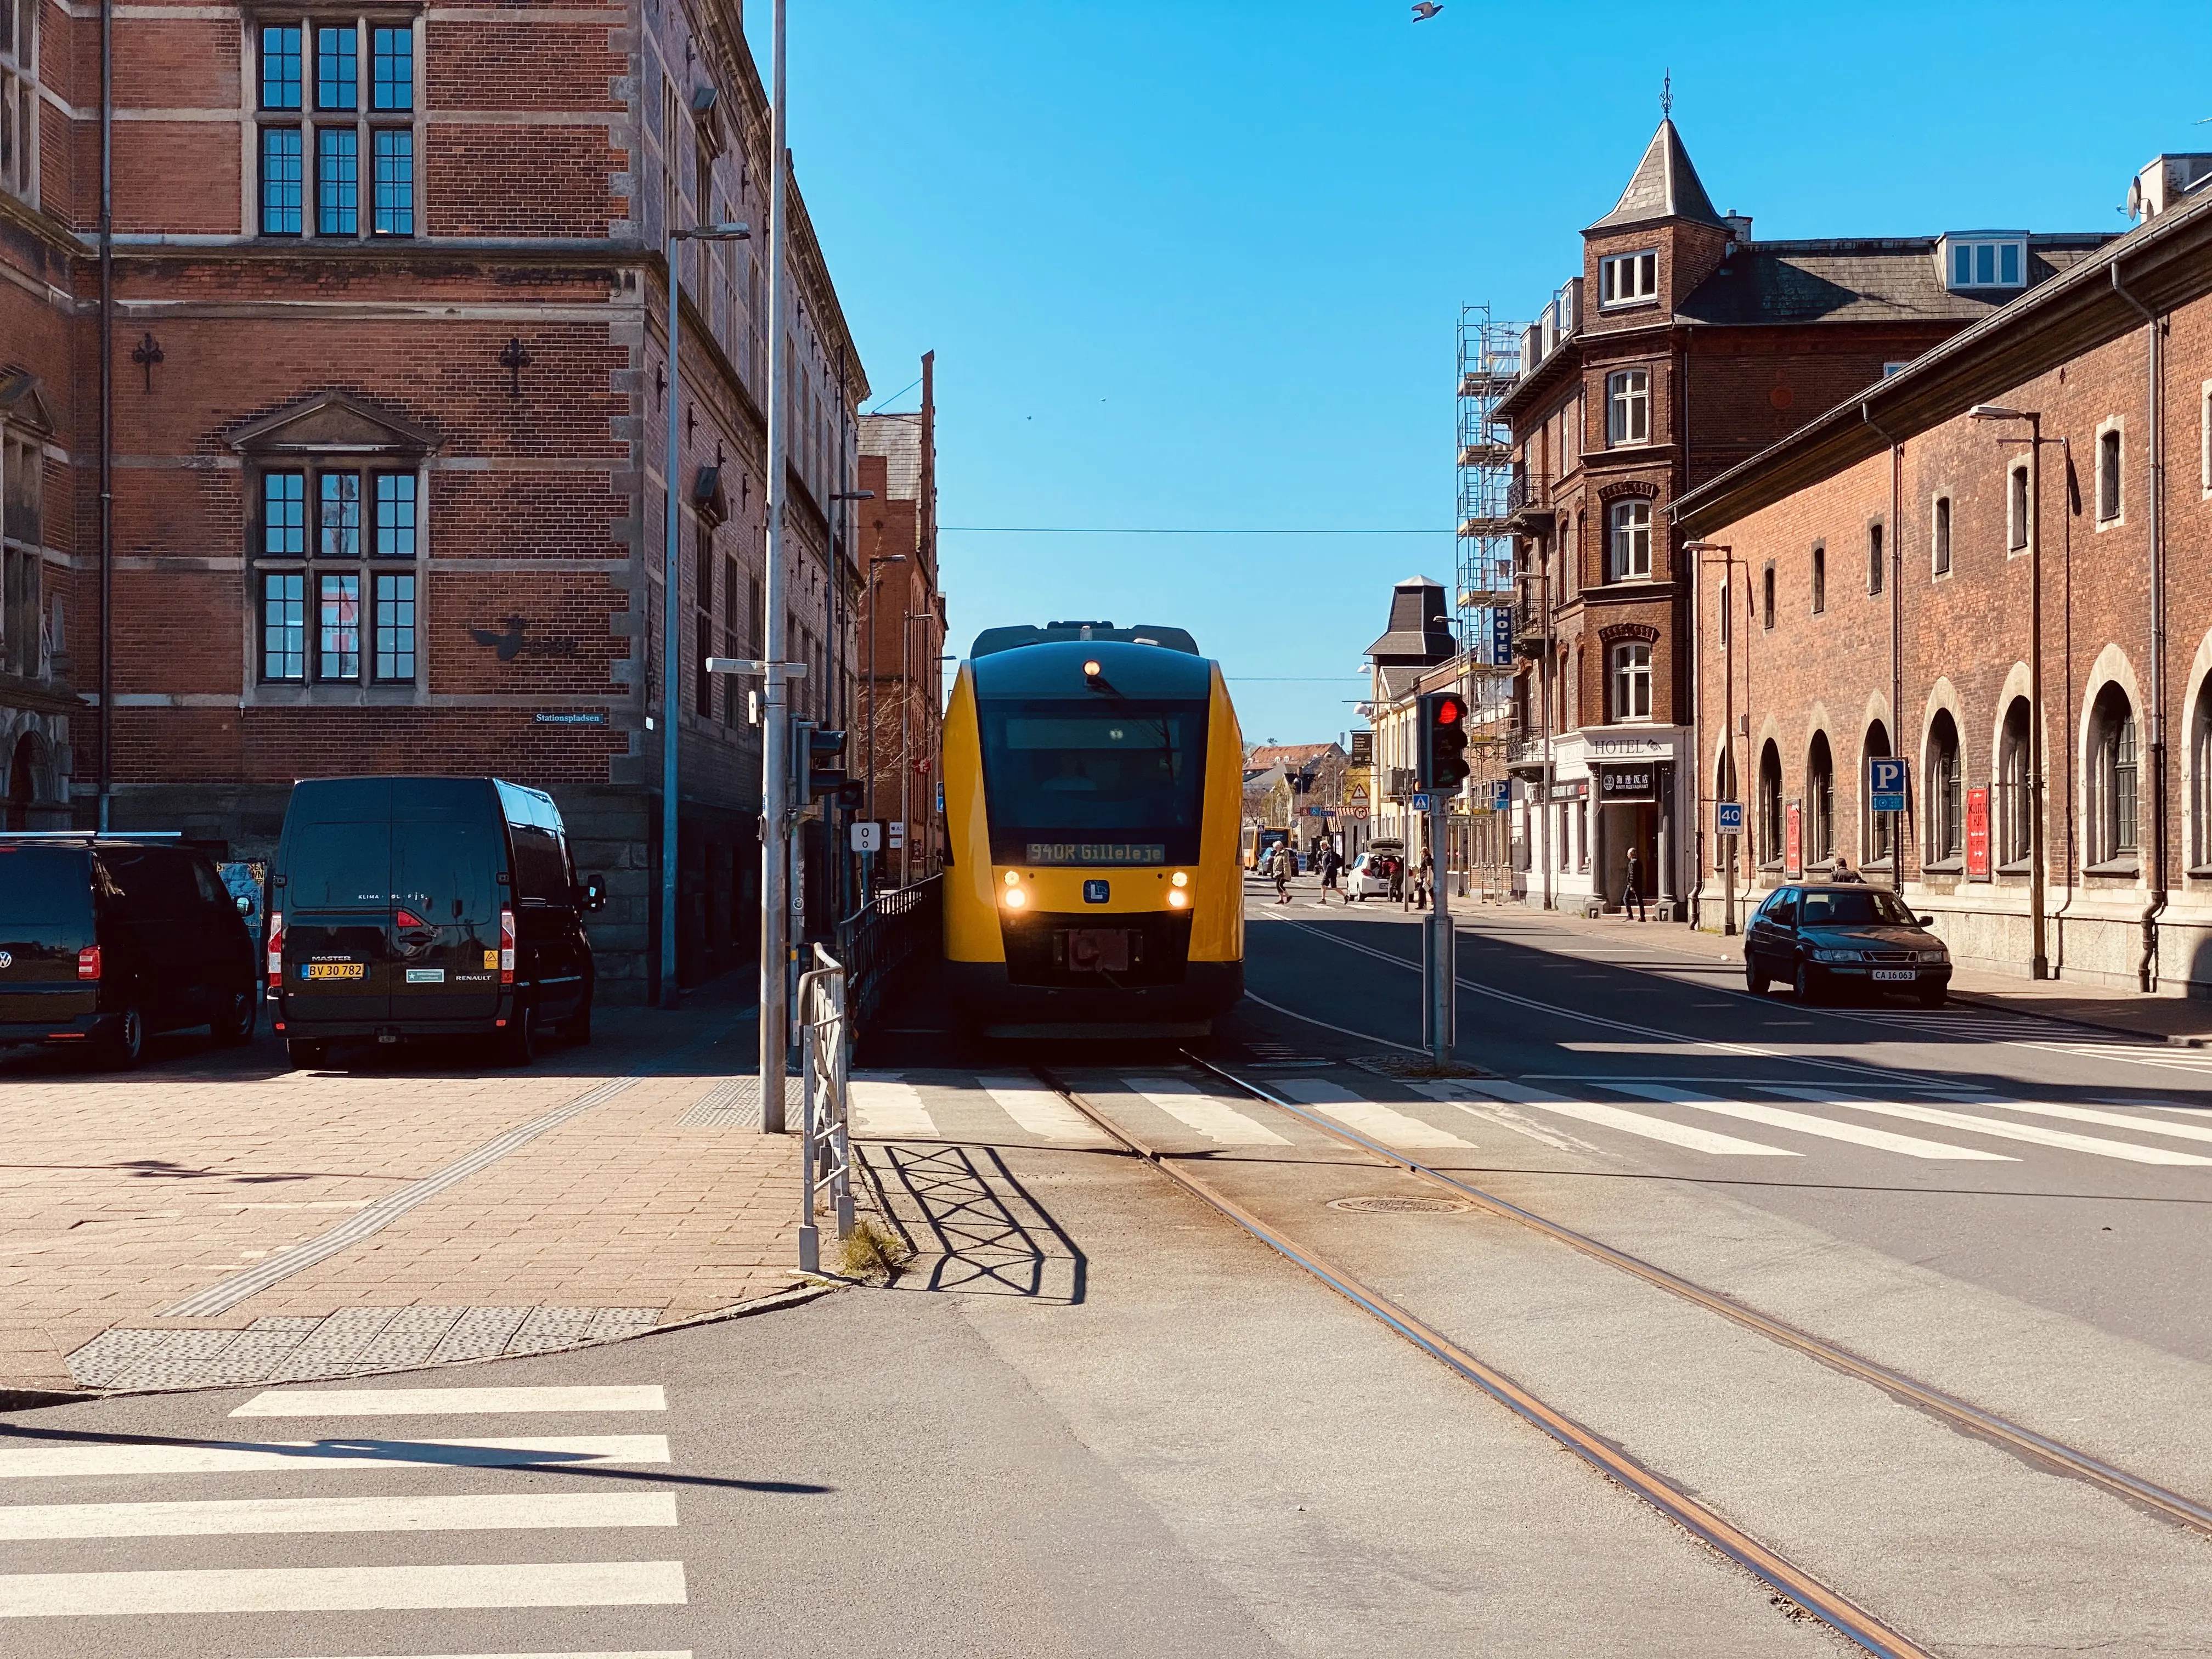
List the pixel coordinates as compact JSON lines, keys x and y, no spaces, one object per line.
{"x":1424,"y":10}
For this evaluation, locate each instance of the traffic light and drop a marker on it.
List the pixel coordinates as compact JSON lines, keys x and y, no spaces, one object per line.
{"x":1443,"y":754}
{"x":819,"y":772}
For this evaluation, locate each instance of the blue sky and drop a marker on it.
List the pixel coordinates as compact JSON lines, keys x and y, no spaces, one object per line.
{"x":1199,"y":265}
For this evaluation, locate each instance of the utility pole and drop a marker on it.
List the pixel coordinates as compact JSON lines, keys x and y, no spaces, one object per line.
{"x":776,"y":810}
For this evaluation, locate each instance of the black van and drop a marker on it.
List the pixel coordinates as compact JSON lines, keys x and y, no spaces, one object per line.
{"x":106,"y":939}
{"x":427,"y":907}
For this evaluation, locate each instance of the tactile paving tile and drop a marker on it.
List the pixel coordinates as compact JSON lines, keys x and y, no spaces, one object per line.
{"x":733,"y":1103}
{"x":479,"y":1333}
{"x":410,"y":1337}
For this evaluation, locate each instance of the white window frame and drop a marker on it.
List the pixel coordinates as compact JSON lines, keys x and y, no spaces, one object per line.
{"x":1628,"y":279}
{"x":1970,"y":250}
{"x":19,"y":104}
{"x":1628,"y":683}
{"x":1628,"y":539}
{"x":1627,"y":408}
{"x":1890,"y":368}
{"x":2114,"y":427}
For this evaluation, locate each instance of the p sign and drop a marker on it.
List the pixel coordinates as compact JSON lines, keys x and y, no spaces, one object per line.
{"x":1885,"y":776}
{"x":1730,"y":817}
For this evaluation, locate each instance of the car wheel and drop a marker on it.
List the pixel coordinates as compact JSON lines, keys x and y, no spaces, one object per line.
{"x":306,"y":1056}
{"x":518,"y":1044}
{"x":1807,"y":987}
{"x":234,"y":1029}
{"x":1754,"y":981}
{"x":126,"y":1039}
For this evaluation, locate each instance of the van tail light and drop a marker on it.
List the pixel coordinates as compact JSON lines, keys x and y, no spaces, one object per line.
{"x":506,"y":946}
{"x":88,"y":963}
{"x":277,"y":949}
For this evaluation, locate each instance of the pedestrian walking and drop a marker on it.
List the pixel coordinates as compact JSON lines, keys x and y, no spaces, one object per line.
{"x":1331,"y":862}
{"x":1631,"y":896}
{"x":1286,"y":861}
{"x":1422,"y":880}
{"x":1394,"y":868}
{"x":1843,"y":871}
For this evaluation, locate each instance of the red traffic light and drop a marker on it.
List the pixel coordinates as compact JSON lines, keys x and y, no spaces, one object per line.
{"x":1448,"y":711}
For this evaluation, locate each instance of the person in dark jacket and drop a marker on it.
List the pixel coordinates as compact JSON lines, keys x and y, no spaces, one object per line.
{"x":1331,"y":862}
{"x":1631,"y":896}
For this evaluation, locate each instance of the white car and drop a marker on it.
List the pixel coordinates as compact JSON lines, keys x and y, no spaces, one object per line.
{"x":1367,"y":877}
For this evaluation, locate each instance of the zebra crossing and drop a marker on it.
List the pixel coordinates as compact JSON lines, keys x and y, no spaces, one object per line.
{"x":1597,"y":1117}
{"x":336,"y":1530}
{"x":2051,"y":1036}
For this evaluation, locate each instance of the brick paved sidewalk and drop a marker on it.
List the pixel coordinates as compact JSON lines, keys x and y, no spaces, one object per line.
{"x":215,"y":1217}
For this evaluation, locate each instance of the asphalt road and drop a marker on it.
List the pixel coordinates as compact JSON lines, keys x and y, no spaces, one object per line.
{"x":1096,"y":1416}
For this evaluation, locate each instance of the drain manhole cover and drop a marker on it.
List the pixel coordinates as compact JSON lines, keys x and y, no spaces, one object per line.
{"x":1401,"y":1206}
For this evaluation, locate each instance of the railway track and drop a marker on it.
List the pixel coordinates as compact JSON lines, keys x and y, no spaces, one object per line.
{"x":1783,"y":1576}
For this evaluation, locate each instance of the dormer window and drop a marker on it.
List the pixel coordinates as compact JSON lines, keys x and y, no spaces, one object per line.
{"x":1628,"y":279}
{"x":1983,"y":260}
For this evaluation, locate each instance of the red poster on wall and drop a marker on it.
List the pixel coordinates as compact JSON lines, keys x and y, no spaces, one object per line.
{"x":1793,"y":840}
{"x":1978,"y":835}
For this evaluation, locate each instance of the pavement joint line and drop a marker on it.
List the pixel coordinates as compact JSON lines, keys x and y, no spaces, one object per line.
{"x":227,"y":1293}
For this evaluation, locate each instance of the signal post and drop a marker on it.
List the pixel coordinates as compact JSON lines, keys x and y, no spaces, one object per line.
{"x":1441,"y":767}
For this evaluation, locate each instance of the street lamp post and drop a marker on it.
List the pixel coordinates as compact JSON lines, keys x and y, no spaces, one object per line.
{"x":1727,"y":561}
{"x":672,"y":692}
{"x":2039,"y":966}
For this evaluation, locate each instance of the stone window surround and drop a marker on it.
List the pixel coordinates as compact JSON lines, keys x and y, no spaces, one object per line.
{"x":19,"y":85}
{"x":307,"y":119}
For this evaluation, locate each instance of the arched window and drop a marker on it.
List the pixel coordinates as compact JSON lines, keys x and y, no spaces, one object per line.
{"x":1770,"y":807}
{"x":1876,"y":839}
{"x":2200,"y":752}
{"x":1631,"y":680}
{"x":1945,"y":812}
{"x":2015,"y":798}
{"x":2113,"y":779}
{"x":1628,"y":545}
{"x":1819,"y":802}
{"x":1724,"y":788}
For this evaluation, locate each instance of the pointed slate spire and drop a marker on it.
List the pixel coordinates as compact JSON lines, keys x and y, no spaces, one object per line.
{"x":1664,"y":186}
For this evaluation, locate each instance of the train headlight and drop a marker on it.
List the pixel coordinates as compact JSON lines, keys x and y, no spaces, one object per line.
{"x":1177,"y":898}
{"x":1180,"y":878}
{"x":1016,"y":898}
{"x":1013,"y":878}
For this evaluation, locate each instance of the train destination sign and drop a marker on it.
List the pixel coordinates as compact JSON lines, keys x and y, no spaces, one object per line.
{"x":1096,"y":852}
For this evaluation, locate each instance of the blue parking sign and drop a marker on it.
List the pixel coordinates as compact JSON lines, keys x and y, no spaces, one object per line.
{"x":1501,"y":794}
{"x":1886,"y":777}
{"x":1731,"y":817}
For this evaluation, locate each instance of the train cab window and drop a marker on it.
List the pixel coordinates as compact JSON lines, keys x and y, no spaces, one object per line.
{"x":1073,"y":783}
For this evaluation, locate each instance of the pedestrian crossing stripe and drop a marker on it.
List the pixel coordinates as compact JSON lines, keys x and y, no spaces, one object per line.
{"x":342,"y":1589}
{"x":890,"y":1109}
{"x":1805,"y":1123}
{"x":1377,"y":1122}
{"x":1635,"y":1123}
{"x":441,"y":1402}
{"x":1211,"y":1115}
{"x":327,"y":1457}
{"x":1042,"y":1112}
{"x":238,"y":1517}
{"x":2004,"y":1130}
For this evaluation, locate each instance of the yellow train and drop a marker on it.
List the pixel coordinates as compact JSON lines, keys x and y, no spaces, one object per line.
{"x":1093,"y":798}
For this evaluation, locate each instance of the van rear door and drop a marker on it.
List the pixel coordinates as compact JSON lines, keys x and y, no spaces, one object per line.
{"x":337,"y":904}
{"x":444,"y":918}
{"x":45,"y":919}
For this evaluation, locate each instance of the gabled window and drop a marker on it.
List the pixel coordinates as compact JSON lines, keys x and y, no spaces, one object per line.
{"x":320,"y":129}
{"x":1628,"y":279}
{"x":1628,"y":542}
{"x":2109,"y":498}
{"x":1940,"y":537}
{"x":1628,"y":406}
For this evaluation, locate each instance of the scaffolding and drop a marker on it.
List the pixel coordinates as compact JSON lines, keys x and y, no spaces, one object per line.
{"x":1489,"y":367}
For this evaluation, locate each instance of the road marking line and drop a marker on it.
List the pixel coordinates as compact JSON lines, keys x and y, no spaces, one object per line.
{"x":894,"y":1110}
{"x":408,"y":1402}
{"x":224,"y":1518}
{"x":1211,"y":1116}
{"x":657,"y":1653}
{"x":1804,"y":1123}
{"x":1635,"y":1123}
{"x":331,"y":1457}
{"x":1040,"y":1112}
{"x":2005,"y":1131}
{"x":343,"y":1590}
{"x":1371,"y":1118}
{"x":2111,"y":1120}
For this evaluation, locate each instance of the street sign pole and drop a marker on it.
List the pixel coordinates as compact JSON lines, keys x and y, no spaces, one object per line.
{"x":776,"y":788}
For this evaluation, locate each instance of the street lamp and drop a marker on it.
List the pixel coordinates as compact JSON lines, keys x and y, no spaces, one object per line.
{"x":2039,"y":966}
{"x":1727,"y":561}
{"x":672,"y":684}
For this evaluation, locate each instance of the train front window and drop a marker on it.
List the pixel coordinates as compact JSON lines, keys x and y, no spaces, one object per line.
{"x":1074,"y":783}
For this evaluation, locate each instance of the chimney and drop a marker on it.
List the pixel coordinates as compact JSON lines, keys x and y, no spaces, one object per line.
{"x":1739,"y":228}
{"x":2161,"y":185}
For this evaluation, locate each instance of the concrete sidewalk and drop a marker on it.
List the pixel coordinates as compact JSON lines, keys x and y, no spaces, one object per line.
{"x":2163,"y":1017}
{"x":215,"y":1216}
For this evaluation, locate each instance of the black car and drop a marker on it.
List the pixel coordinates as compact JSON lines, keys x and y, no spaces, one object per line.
{"x":1825,"y":938}
{"x":409,"y":906}
{"x":106,"y":939}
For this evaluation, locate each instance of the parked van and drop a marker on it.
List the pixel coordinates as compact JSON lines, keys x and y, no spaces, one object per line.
{"x":106,"y":939}
{"x":427,"y":907}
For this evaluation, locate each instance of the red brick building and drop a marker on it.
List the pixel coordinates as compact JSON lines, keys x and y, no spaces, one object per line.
{"x":1682,"y":348}
{"x":897,"y":719}
{"x":382,"y":427}
{"x":1891,"y":548}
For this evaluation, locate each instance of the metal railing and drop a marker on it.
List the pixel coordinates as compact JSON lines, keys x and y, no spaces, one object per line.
{"x":825,"y":1145}
{"x":882,"y":937}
